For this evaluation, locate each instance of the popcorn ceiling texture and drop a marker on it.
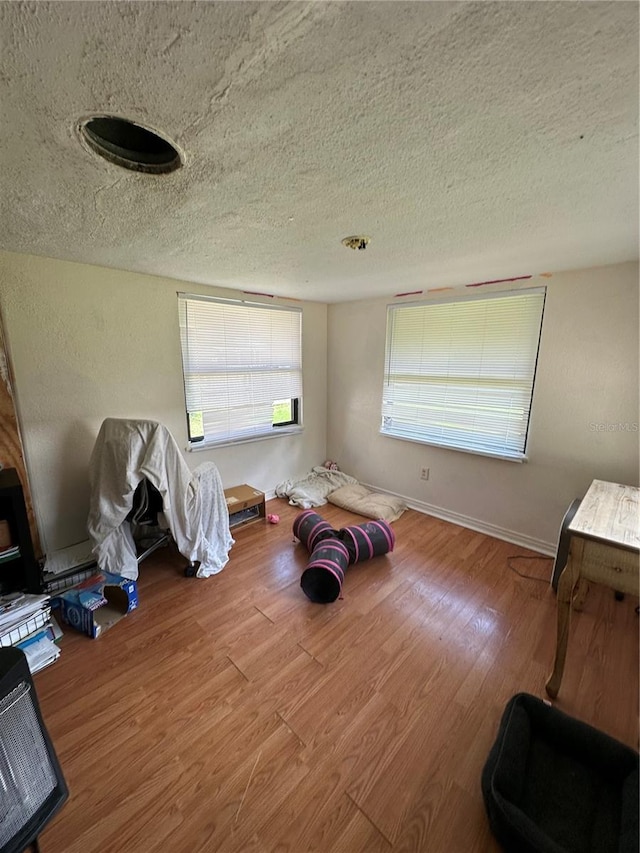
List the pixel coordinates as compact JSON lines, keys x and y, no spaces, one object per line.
{"x":471,"y":141}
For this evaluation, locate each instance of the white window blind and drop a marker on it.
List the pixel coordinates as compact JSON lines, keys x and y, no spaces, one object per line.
{"x":459,"y":373}
{"x":238,"y":359}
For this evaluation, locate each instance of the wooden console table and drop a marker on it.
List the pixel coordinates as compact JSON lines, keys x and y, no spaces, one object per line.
{"x":605,"y":549}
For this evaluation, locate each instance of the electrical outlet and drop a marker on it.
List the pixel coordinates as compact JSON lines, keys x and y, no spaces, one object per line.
{"x":424,"y":473}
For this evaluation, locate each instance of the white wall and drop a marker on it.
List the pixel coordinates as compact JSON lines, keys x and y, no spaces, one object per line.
{"x":587,"y":376}
{"x":88,"y":343}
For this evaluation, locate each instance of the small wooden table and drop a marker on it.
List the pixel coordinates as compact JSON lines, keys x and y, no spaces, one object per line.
{"x":604,"y":548}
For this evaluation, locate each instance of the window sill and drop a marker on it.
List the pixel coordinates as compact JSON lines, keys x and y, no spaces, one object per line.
{"x":278,"y":432}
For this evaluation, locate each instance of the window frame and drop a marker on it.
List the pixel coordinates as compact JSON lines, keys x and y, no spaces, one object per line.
{"x":295,"y":412}
{"x":228,"y":341}
{"x":452,"y":415}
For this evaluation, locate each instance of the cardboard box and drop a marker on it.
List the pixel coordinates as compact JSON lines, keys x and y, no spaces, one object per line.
{"x":245,"y":505}
{"x":97,"y":603}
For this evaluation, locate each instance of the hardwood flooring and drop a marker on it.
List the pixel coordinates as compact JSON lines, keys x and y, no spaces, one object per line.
{"x":232,"y":714}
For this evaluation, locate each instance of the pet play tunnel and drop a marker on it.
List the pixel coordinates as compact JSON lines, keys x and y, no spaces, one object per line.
{"x":364,"y":541}
{"x":310,"y":528}
{"x":333,"y":551}
{"x":322,"y":579}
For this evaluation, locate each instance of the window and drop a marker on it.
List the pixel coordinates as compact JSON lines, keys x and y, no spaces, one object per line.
{"x":285,"y":412}
{"x":459,"y":373}
{"x":242,"y":365}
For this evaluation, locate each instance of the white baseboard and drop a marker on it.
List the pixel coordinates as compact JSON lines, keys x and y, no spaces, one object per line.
{"x":530,"y":542}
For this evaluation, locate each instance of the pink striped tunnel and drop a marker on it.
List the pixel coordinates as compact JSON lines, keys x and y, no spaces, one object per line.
{"x":310,"y":528}
{"x":332,"y":551}
{"x":365,"y":541}
{"x":322,"y":580}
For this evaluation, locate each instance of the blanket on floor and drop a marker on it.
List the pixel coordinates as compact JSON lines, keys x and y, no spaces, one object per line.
{"x":314,"y":488}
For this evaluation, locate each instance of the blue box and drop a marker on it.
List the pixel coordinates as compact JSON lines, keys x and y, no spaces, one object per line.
{"x":97,"y":603}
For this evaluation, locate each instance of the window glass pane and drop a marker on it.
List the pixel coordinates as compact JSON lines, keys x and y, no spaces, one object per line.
{"x":282,"y":411}
{"x":460,"y":373}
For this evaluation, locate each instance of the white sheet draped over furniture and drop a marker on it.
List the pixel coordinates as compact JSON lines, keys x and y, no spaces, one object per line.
{"x":126,"y":451}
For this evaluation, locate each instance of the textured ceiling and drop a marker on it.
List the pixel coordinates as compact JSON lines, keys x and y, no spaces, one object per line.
{"x":469,"y":141}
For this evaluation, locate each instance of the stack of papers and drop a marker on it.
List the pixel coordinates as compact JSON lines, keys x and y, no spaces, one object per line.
{"x":75,"y":556}
{"x":9,"y":553}
{"x":40,"y":649}
{"x":68,"y":566}
{"x":26,"y":623}
{"x":16,"y":608}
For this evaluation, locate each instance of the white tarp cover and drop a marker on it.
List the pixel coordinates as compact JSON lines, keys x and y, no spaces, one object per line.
{"x":126,"y":451}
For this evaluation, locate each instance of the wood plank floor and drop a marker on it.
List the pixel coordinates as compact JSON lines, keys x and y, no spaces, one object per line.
{"x":232,"y":714}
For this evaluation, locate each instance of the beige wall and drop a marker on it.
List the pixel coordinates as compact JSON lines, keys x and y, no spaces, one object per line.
{"x":587,"y":376}
{"x":88,"y":343}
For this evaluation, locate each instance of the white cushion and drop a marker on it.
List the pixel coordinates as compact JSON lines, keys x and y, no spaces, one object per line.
{"x":357,"y":498}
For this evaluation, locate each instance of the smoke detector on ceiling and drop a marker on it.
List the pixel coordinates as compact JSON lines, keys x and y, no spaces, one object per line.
{"x":356,"y":242}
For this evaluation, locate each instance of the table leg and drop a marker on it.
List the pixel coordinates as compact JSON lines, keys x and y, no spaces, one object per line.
{"x":582,"y":588}
{"x":566,"y":585}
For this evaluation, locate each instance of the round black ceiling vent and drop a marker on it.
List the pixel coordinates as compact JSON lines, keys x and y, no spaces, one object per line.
{"x":130,"y":145}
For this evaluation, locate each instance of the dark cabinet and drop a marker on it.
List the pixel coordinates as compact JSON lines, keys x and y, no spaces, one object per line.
{"x":19,"y":569}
